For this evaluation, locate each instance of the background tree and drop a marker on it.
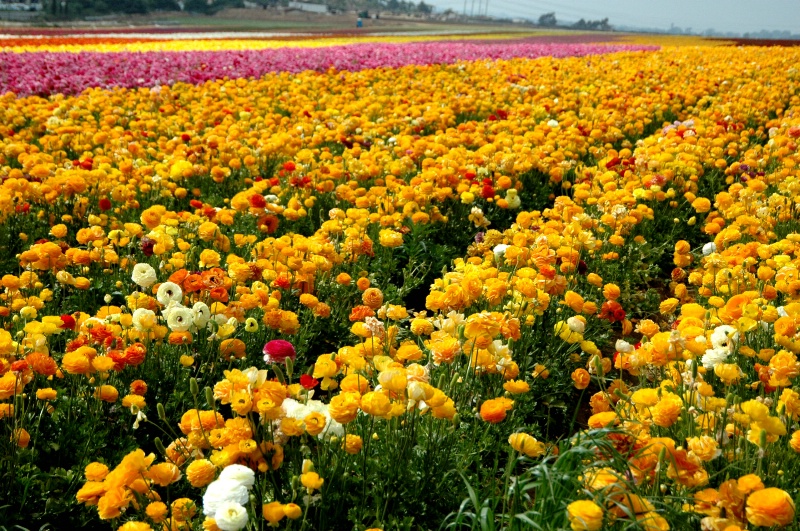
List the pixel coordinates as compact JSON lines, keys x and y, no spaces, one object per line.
{"x":548,"y":20}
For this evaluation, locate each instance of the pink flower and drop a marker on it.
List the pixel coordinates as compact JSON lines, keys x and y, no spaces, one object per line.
{"x":277,"y":350}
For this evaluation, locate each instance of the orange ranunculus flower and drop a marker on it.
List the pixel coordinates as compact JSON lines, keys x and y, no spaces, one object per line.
{"x":344,"y":407}
{"x":770,"y":507}
{"x":107,"y":393}
{"x":76,"y":363}
{"x":21,"y":437}
{"x":353,"y":443}
{"x":372,"y":297}
{"x":95,"y":471}
{"x":180,"y":338}
{"x":603,"y":420}
{"x":376,"y":404}
{"x":138,"y":387}
{"x":315,"y":423}
{"x":701,"y":205}
{"x":516,"y":387}
{"x":163,"y":474}
{"x":200,"y":473}
{"x":574,"y":301}
{"x":232,"y":348}
{"x":42,"y":363}
{"x":495,"y":409}
{"x":611,"y":292}
{"x":581,"y":378}
{"x":273,"y":512}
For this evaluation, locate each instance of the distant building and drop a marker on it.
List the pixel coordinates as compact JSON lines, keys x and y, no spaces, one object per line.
{"x":305,"y":6}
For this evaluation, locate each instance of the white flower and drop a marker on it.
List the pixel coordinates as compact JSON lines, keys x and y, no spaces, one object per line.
{"x":231,"y":516}
{"x":180,"y":319}
{"x":296,"y":410}
{"x":140,"y":417}
{"x":169,"y":307}
{"x":169,"y":291}
{"x":723,"y":336}
{"x":144,"y":319}
{"x":499,"y":251}
{"x":623,"y":346}
{"x":416,"y":391}
{"x":715,"y":356}
{"x":201,"y":314}
{"x":222,"y":491}
{"x":144,"y":275}
{"x":239,"y":473}
{"x":576,"y":324}
{"x":552,"y":123}
{"x":709,"y":248}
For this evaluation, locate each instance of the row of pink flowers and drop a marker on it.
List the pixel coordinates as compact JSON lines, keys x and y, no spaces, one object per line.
{"x":70,"y":73}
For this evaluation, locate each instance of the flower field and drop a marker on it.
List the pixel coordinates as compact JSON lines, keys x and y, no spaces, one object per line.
{"x":400,"y":284}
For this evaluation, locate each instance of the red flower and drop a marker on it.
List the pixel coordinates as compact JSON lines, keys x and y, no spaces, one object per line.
{"x":257,"y":201}
{"x":289,"y":166}
{"x":282,"y":281}
{"x":612,"y":311}
{"x":105,"y":204}
{"x":22,"y":366}
{"x":67,"y":322}
{"x":278,"y":350}
{"x":308,"y":382}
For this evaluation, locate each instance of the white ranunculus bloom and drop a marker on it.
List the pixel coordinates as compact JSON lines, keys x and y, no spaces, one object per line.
{"x":576,"y":324}
{"x":499,"y":252}
{"x":201,"y":314}
{"x":231,"y":516}
{"x":623,"y":346}
{"x":168,"y":292}
{"x":144,"y":319}
{"x":144,"y":275}
{"x":709,"y":248}
{"x":723,"y":336}
{"x":222,"y":491}
{"x":715,"y":356}
{"x":180,"y":319}
{"x":239,"y":473}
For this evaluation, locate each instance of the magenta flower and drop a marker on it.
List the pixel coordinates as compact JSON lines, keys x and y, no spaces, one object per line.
{"x":46,"y":73}
{"x":277,"y":350}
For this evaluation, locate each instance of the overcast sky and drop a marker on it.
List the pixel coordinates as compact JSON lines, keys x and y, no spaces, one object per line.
{"x":731,"y":15}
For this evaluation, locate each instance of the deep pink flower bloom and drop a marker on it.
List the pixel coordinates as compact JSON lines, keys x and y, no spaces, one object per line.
{"x":277,"y":350}
{"x":46,"y":73}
